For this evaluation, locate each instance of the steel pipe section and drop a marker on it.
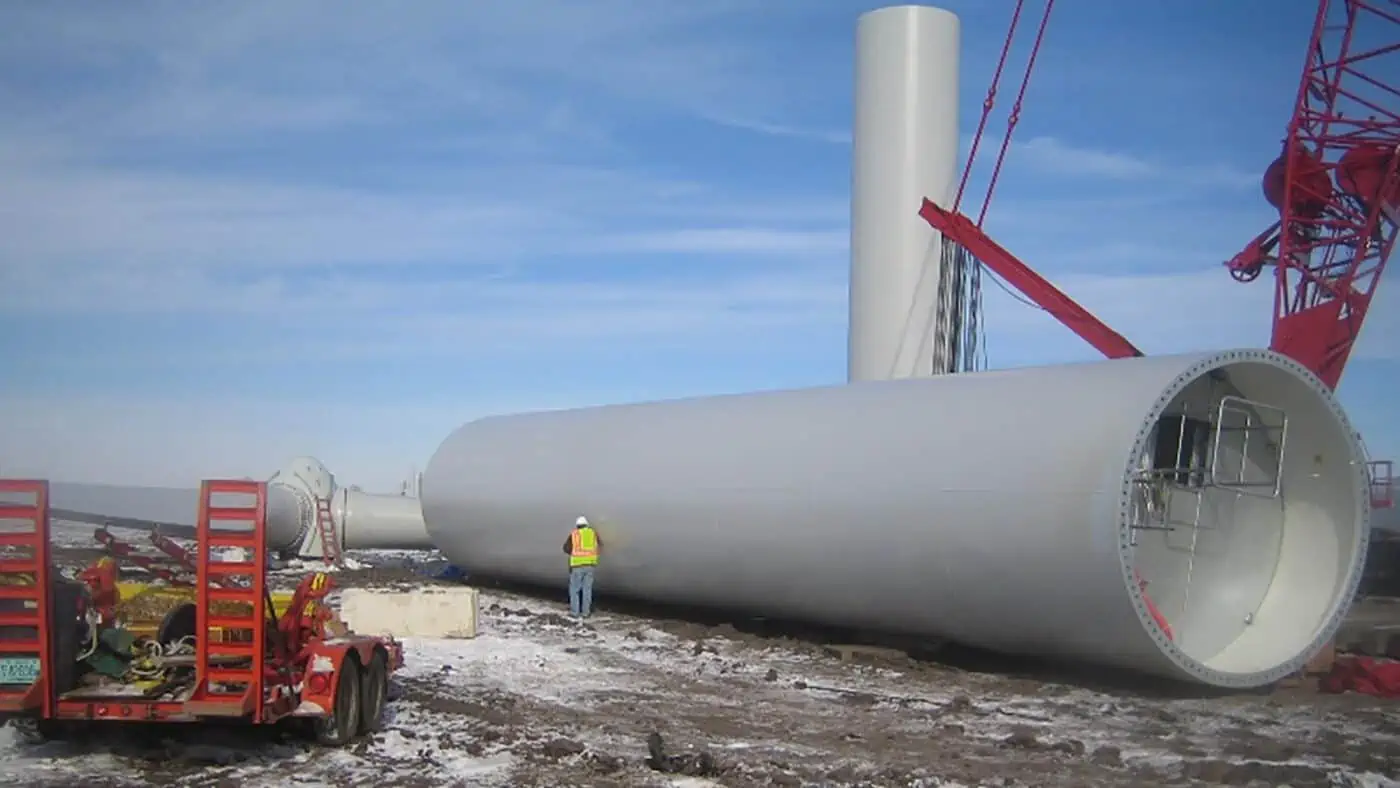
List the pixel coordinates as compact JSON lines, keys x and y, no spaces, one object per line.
{"x":173,"y":509}
{"x":904,"y":148}
{"x":390,"y":522}
{"x":1016,"y":510}
{"x":291,"y":506}
{"x":362,"y":520}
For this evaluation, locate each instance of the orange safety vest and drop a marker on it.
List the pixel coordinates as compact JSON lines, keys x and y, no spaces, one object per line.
{"x":583,"y":547}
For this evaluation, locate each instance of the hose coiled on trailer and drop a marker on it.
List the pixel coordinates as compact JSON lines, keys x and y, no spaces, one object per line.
{"x":150,"y":666}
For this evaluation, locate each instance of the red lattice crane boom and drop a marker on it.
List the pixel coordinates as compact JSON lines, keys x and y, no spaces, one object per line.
{"x":1336,"y":186}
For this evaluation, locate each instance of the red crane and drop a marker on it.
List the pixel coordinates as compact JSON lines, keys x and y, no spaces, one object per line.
{"x":1335,"y":185}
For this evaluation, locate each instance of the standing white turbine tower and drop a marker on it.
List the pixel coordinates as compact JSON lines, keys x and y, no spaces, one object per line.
{"x":904,"y":291}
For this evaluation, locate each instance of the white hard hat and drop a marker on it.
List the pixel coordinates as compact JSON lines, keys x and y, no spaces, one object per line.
{"x":581,"y":520}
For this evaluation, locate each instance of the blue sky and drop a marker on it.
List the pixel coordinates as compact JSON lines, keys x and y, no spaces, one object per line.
{"x":239,"y":231}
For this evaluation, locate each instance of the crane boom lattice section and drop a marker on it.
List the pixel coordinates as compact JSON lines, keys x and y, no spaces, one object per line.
{"x":1335,"y":186}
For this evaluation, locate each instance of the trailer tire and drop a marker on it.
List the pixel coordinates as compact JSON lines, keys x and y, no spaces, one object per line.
{"x":374,"y":690}
{"x":342,"y":725}
{"x":180,"y":622}
{"x":69,"y":630}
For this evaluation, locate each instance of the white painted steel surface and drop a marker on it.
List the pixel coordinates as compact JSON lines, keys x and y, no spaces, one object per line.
{"x":999,"y":509}
{"x":368,"y":521}
{"x":904,"y":148}
{"x":171,"y":509}
{"x":362,"y":520}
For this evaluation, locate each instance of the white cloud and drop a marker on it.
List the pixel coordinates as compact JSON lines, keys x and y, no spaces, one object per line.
{"x":1051,"y":156}
{"x":741,"y":240}
{"x":832,"y":136}
{"x":224,"y":68}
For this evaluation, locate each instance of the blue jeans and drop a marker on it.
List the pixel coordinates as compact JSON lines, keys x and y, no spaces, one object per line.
{"x":581,"y":590}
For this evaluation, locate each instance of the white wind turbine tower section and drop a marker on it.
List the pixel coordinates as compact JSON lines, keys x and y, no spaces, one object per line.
{"x":361,"y":520}
{"x":1016,"y":510}
{"x":903,"y":311}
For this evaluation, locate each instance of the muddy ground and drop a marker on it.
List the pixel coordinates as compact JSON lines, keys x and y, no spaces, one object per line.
{"x":651,"y":696}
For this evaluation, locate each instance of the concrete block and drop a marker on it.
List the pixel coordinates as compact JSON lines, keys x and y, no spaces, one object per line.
{"x":425,"y":613}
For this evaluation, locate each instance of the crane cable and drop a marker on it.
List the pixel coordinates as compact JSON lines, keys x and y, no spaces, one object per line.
{"x":974,"y":339}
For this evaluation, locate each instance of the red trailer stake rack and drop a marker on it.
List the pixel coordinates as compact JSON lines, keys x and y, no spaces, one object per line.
{"x":244,"y":662}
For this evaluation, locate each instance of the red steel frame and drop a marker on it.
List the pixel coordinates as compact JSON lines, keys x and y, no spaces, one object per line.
{"x":1333,"y":238}
{"x":243,"y":582}
{"x":121,"y":549}
{"x":1333,"y":242}
{"x":29,"y":576}
{"x":325,"y":525}
{"x":269,"y":689}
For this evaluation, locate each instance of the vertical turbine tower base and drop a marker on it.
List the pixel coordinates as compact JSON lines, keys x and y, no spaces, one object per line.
{"x":903,"y":319}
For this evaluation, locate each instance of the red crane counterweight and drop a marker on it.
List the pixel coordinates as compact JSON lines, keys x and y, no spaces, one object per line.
{"x":1312,"y":187}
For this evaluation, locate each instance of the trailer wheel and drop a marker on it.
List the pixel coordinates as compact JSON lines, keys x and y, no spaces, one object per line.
{"x":374,"y":689}
{"x":339,"y":727}
{"x":180,"y":622}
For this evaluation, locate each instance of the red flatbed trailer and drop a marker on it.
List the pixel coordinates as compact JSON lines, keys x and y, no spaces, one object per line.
{"x":247,"y":664}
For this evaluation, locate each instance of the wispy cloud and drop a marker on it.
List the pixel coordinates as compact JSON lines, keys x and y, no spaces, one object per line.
{"x":226,"y":68}
{"x":494,"y":214}
{"x":1058,"y":158}
{"x":832,"y":136}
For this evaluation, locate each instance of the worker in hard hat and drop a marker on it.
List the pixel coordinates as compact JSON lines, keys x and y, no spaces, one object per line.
{"x":582,"y":546}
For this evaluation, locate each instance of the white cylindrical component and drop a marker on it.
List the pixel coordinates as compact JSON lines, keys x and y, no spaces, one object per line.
{"x":370,"y":522}
{"x":904,"y":148}
{"x":373,"y":521}
{"x":288,"y":519}
{"x":1013,"y":510}
{"x":291,"y":505}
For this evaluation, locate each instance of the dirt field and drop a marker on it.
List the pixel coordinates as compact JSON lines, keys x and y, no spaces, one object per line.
{"x":633,"y":700}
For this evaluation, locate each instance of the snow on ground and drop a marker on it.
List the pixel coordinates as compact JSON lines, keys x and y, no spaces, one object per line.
{"x":79,"y":536}
{"x":538,"y":699}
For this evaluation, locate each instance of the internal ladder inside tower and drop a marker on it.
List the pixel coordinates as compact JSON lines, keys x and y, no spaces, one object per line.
{"x":1235,"y":445}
